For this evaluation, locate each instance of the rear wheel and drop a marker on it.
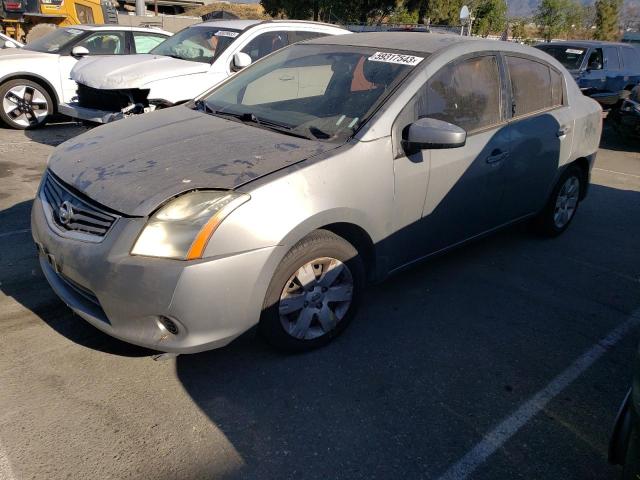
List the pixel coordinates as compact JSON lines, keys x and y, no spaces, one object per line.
{"x":25,"y":104}
{"x":313,"y":294}
{"x":562,"y":204}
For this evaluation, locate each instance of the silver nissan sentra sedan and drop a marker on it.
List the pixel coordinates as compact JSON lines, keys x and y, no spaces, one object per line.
{"x":275,"y":197}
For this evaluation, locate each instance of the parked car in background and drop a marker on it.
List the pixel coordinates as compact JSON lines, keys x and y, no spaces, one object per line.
{"x":603,"y":70}
{"x":624,"y":445}
{"x":256,"y":203}
{"x":8,"y":42}
{"x":34,"y":80}
{"x":625,"y":118}
{"x":194,"y":60}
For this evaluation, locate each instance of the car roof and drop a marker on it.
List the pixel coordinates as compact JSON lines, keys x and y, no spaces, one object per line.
{"x":580,"y":43}
{"x":408,"y":41}
{"x":244,"y":24}
{"x":116,"y":26}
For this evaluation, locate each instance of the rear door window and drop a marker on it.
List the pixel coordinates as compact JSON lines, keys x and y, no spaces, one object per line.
{"x":535,"y":86}
{"x":266,"y":43}
{"x":145,"y":42}
{"x":466,"y":93}
{"x":611,"y":58}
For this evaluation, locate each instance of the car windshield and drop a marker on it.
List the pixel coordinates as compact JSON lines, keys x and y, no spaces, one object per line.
{"x":197,"y":44}
{"x":323,"y":92}
{"x":570,"y":57}
{"x":55,"y":41}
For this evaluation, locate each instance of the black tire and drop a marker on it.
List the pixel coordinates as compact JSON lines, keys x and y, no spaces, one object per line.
{"x":545,"y":222}
{"x":631,"y":467}
{"x":318,"y":244}
{"x":23,"y":122}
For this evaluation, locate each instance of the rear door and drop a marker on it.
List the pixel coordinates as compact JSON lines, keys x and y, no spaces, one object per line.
{"x":613,"y":70}
{"x":540,"y":134}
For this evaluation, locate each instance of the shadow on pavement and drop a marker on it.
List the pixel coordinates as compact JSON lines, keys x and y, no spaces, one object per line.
{"x":436,"y":356}
{"x":55,"y":133}
{"x":22,"y":280}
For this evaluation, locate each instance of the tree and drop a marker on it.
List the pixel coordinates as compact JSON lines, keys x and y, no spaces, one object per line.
{"x":607,"y":19}
{"x":519,"y":30}
{"x":491,"y":17}
{"x":421,"y":7}
{"x":347,"y":10}
{"x":550,"y":18}
{"x":300,"y":9}
{"x":630,"y":18}
{"x":574,"y":18}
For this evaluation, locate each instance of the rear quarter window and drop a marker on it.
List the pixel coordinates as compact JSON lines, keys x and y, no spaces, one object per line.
{"x":630,"y":59}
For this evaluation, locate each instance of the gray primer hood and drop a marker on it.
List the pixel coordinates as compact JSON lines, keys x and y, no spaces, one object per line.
{"x":134,"y":165}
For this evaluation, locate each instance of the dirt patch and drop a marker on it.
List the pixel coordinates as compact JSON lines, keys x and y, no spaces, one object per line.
{"x":7,"y":168}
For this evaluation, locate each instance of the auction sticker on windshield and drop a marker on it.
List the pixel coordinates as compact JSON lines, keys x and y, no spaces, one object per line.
{"x":574,"y":50}
{"x":224,"y":33}
{"x":395,"y":58}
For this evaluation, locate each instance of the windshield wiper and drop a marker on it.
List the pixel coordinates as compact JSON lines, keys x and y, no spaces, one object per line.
{"x":202,"y":106}
{"x":249,"y":117}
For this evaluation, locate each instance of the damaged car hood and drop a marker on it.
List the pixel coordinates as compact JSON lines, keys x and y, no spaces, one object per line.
{"x":134,"y":165}
{"x":132,"y":71}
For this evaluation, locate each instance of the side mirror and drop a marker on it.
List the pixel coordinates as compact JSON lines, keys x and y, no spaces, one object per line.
{"x":240,"y":60}
{"x":10,"y":44}
{"x":432,"y":133}
{"x":79,"y":52}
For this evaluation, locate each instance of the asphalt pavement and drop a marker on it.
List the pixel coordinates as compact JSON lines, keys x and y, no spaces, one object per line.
{"x":506,"y":359}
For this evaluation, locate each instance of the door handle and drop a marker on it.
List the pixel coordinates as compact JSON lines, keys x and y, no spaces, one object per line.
{"x":286,"y":78}
{"x":497,"y":156}
{"x":563,"y":131}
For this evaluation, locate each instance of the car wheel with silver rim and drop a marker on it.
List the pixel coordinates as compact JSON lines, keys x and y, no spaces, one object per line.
{"x":25,"y":104}
{"x":563,"y":203}
{"x":314,"y":293}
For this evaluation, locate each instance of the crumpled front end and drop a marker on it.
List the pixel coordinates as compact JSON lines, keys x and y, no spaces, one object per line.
{"x":104,"y":106}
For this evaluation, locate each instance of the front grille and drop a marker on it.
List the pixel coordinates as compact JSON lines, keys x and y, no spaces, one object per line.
{"x":71,"y":213}
{"x":111,"y":100}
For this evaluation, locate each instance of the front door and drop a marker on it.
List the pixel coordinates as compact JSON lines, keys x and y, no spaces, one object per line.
{"x":457,"y":191}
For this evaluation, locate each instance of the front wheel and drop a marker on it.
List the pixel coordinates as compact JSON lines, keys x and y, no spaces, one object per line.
{"x":314,"y":293}
{"x":562,"y":204}
{"x":25,"y":104}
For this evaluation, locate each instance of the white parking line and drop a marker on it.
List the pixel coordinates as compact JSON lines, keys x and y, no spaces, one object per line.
{"x":617,"y":173}
{"x":5,"y":467}
{"x":497,"y":437}
{"x":15,"y":232}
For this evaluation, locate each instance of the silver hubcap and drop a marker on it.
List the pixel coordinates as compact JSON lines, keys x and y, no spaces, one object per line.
{"x":316,"y":298}
{"x":566,"y":202}
{"x":25,"y":105}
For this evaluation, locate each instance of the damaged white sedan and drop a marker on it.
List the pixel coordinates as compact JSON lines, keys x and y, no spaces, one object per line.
{"x":179,"y":69}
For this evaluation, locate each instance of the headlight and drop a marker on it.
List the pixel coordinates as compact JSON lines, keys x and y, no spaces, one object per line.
{"x":182,"y":228}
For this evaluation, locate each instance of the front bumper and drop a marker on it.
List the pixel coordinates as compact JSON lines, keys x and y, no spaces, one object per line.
{"x":74,"y":110}
{"x":212,"y":301}
{"x":95,"y":115}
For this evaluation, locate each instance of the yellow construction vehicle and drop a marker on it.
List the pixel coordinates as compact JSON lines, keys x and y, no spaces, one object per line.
{"x":26,"y":20}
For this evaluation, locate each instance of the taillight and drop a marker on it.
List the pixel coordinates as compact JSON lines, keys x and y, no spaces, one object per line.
{"x":13,"y":6}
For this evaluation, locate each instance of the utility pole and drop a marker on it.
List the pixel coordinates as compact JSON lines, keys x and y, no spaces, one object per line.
{"x":141,"y":8}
